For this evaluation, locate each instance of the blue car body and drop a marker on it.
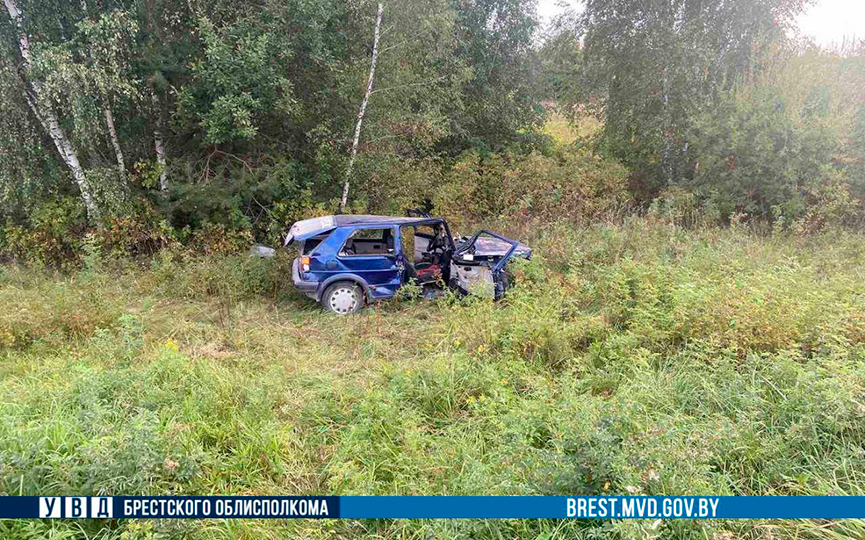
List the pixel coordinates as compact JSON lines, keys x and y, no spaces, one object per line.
{"x":332,"y":251}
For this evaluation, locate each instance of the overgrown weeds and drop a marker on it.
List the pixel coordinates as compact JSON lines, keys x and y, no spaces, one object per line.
{"x":630,"y":358}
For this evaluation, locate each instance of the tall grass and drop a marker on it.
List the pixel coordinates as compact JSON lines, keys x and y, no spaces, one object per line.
{"x":631,"y":358}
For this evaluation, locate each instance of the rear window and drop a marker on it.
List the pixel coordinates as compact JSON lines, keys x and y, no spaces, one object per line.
{"x":311,"y":243}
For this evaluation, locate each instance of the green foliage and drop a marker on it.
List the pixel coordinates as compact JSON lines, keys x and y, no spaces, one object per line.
{"x":571,"y":184}
{"x":240,"y":79}
{"x":391,"y":185}
{"x":256,"y":108}
{"x":28,"y":173}
{"x":650,"y":67}
{"x":217,"y":239}
{"x":419,"y":99}
{"x":712,"y":100}
{"x":187,"y":275}
{"x":767,"y":145}
{"x":409,"y":292}
{"x":50,"y":236}
{"x":501,"y":99}
{"x":66,"y":310}
{"x":561,"y":62}
{"x":260,"y":198}
{"x":563,"y":182}
{"x":141,"y":232}
{"x":777,"y":146}
{"x":277,"y":82}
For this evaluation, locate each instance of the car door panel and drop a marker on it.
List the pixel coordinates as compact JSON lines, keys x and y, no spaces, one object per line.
{"x":381,"y":272}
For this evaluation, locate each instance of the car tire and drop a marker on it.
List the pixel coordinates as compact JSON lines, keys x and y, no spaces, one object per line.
{"x":343,"y":298}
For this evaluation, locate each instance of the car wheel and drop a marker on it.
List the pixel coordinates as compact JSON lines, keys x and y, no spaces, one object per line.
{"x":343,"y":298}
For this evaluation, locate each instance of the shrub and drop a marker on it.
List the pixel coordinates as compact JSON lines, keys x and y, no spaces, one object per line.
{"x":217,"y":239}
{"x":572,"y":184}
{"x":774,"y":147}
{"x":391,"y":185}
{"x":50,"y":236}
{"x":141,"y":231}
{"x":258,"y":196}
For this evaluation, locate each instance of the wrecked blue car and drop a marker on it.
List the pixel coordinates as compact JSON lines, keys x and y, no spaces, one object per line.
{"x":347,"y":261}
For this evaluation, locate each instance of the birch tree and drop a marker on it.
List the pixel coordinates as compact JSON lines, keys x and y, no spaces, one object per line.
{"x":654,"y":65}
{"x":158,"y":143}
{"x":99,"y":57}
{"x":109,"y":120}
{"x":302,"y":100}
{"x":362,"y":112}
{"x":43,"y":111}
{"x":414,"y":87}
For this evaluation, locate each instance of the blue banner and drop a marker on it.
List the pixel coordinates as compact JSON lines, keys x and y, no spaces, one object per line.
{"x":433,"y":507}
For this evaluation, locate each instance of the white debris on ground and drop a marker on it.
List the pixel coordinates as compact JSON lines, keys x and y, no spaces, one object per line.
{"x":262,"y":251}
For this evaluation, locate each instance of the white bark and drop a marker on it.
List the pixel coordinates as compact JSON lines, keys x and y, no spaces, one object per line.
{"x":157,"y":142}
{"x":666,"y":162}
{"x":363,"y":105}
{"x":49,"y":120}
{"x":115,"y":142}
{"x":109,"y":121}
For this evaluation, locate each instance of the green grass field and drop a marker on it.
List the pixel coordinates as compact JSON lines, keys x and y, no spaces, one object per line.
{"x":636,"y":358}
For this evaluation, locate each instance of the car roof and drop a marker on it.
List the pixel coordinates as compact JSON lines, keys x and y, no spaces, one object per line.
{"x":308,"y":228}
{"x":348,"y":220}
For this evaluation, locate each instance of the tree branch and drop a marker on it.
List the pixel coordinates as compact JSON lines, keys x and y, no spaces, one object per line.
{"x":423,"y":83}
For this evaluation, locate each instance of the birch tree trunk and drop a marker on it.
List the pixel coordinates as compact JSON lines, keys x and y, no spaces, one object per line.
{"x":363,"y":105}
{"x":49,"y":120}
{"x":666,"y":163}
{"x":118,"y":152}
{"x":109,"y":121}
{"x":157,"y":142}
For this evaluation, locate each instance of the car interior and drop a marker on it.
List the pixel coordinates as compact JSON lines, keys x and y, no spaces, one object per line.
{"x":424,"y":248}
{"x":311,"y":243}
{"x":369,"y":242}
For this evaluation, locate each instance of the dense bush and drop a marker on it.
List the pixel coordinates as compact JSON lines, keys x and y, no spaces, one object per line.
{"x":50,"y":236}
{"x":570,"y":184}
{"x":246,"y":202}
{"x":564,"y":183}
{"x":769,"y":148}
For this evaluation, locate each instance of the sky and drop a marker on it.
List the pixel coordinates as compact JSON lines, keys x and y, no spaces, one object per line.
{"x":828,"y":21}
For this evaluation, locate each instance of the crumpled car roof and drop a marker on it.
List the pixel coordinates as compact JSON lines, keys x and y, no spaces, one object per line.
{"x":308,"y":228}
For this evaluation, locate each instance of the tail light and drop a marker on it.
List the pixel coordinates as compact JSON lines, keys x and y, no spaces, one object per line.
{"x":304,"y":264}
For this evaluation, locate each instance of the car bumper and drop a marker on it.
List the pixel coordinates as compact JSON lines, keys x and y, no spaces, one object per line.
{"x":309,"y":288}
